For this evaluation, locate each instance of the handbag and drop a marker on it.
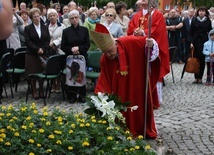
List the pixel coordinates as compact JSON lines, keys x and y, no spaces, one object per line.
{"x":193,"y":64}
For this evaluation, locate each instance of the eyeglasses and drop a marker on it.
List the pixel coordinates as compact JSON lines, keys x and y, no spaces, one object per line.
{"x":109,"y":15}
{"x":74,"y":18}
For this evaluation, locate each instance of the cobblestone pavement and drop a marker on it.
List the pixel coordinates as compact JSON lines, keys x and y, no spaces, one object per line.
{"x":185,"y":119}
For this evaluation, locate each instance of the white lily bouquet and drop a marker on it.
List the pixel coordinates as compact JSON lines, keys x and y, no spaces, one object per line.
{"x":109,"y":107}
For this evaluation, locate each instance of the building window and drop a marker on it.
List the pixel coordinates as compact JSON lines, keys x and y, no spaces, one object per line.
{"x":167,"y":7}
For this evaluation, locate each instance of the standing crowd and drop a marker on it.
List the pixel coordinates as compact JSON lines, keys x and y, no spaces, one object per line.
{"x":122,"y":36}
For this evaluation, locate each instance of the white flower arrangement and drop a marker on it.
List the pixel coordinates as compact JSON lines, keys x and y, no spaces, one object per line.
{"x":106,"y":105}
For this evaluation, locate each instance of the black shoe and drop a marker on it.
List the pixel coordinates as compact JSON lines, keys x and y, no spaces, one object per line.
{"x":82,"y":100}
{"x":73,"y":100}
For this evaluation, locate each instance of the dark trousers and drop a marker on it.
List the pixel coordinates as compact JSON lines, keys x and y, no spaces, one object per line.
{"x":187,"y":50}
{"x":76,"y":92}
{"x":177,"y":41}
{"x":210,"y":71}
{"x":201,"y":69}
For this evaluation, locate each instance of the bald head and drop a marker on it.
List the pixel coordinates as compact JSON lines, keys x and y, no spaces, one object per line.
{"x":72,"y":5}
{"x":110,"y":5}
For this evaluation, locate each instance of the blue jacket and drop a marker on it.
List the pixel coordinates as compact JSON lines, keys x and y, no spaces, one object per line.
{"x":208,"y":47}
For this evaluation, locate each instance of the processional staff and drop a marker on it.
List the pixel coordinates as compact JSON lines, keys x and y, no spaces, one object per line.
{"x":147,"y":69}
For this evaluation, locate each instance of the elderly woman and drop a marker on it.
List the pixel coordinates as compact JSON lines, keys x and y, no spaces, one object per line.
{"x":121,"y":17}
{"x":75,"y":41}
{"x":24,"y":15}
{"x":37,"y":39}
{"x":114,"y":28}
{"x":55,"y":30}
{"x":90,"y":24}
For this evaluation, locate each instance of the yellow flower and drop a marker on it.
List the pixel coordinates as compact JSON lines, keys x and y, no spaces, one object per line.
{"x":94,"y":120}
{"x":85,"y":144}
{"x":137,"y":147}
{"x":9,"y":127}
{"x":31,"y":141}
{"x":31,"y":124}
{"x":148,"y":147}
{"x":82,"y":120}
{"x":70,"y":131}
{"x":100,"y":121}
{"x":34,"y":131}
{"x":59,"y":119}
{"x":129,"y":138}
{"x":132,"y":149}
{"x":35,"y":111}
{"x":16,"y":134}
{"x":59,"y":142}
{"x":42,"y":119}
{"x":60,"y":123}
{"x":126,"y":150}
{"x":1,"y":139}
{"x":127,"y":132}
{"x":38,"y":145}
{"x":92,"y":117}
{"x":45,"y":108}
{"x":104,"y":122}
{"x":49,"y":150}
{"x":23,"y":109}
{"x":3,"y":107}
{"x":48,"y":123}
{"x":24,"y":127}
{"x":110,"y":138}
{"x":57,"y":132}
{"x":15,"y":118}
{"x":87,"y":124}
{"x":8,"y":114}
{"x":31,"y":153}
{"x":28,"y":118}
{"x":1,"y":114}
{"x":108,"y":128}
{"x":33,"y":106}
{"x":41,"y":130}
{"x":2,"y":135}
{"x":11,"y":120}
{"x":10,"y":107}
{"x":7,"y":144}
{"x":73,"y":126}
{"x":70,"y":148}
{"x":117,"y":128}
{"x":2,"y":130}
{"x":82,"y":125}
{"x":140,"y":137}
{"x":51,"y":136}
{"x":45,"y":113}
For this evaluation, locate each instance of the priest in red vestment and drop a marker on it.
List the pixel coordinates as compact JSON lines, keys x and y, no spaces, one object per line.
{"x":123,"y":72}
{"x":138,"y":26}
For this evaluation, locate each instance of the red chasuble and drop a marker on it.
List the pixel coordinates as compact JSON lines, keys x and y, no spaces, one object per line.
{"x":158,"y":32}
{"x":131,"y":57}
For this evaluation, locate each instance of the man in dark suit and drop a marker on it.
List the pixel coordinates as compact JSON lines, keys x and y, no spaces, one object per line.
{"x":186,"y":32}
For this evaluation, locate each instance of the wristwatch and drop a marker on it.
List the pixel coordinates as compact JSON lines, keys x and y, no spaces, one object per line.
{"x":1,"y":5}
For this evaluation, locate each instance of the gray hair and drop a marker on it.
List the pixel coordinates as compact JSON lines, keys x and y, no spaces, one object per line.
{"x":73,"y":12}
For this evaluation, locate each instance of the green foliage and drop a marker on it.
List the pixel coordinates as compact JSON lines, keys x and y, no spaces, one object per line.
{"x":26,"y":130}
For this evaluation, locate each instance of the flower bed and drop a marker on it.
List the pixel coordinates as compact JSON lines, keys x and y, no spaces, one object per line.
{"x":25,"y":130}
